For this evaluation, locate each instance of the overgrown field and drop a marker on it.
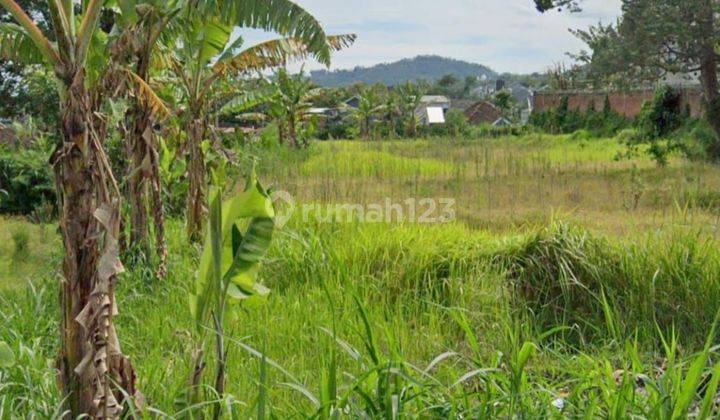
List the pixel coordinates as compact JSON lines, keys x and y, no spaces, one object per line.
{"x":571,"y":284}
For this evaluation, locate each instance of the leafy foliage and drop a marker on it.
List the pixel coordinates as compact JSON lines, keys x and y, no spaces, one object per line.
{"x":663,"y":115}
{"x":26,"y":181}
{"x":564,"y":120}
{"x":230,"y":260}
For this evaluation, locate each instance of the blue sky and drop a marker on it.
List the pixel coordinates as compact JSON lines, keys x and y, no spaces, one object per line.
{"x":507,"y":35}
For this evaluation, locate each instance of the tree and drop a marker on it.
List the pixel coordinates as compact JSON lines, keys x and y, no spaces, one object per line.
{"x":393,"y":111}
{"x":447,"y":81}
{"x":90,"y":364}
{"x":410,"y":99}
{"x":657,"y":37}
{"x":470,"y":84}
{"x":207,"y":53}
{"x":295,"y":95}
{"x":14,"y":88}
{"x":369,"y":108}
{"x":545,"y":5}
{"x":504,"y":100}
{"x":286,"y":101}
{"x":141,"y":25}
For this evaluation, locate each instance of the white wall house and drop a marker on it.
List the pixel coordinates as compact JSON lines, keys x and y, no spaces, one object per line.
{"x":432,"y":109}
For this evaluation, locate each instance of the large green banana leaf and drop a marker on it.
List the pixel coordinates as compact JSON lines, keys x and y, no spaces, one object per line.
{"x":230,"y":259}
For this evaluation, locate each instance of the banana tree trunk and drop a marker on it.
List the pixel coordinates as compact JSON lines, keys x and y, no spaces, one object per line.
{"x":292,"y":132}
{"x":90,"y":361}
{"x":158,"y":211}
{"x":140,"y":171}
{"x":146,"y":175}
{"x":196,"y":179}
{"x":145,"y":188}
{"x":281,"y":132}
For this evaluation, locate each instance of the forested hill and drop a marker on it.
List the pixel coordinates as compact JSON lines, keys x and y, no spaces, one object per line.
{"x":428,"y":68}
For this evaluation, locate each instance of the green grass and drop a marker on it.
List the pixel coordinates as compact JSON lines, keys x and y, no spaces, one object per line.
{"x":26,"y":252}
{"x":507,"y":312}
{"x":370,"y":164}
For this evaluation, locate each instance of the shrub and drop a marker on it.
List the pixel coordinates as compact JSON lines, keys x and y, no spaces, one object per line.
{"x":663,"y":115}
{"x":564,"y":120}
{"x":568,"y":277}
{"x":21,"y":245}
{"x":628,"y":136}
{"x":698,"y":139}
{"x":581,"y":134}
{"x":26,"y":181}
{"x":456,"y":123}
{"x":488,"y":130}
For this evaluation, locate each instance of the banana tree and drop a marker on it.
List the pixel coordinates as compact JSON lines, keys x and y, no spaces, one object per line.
{"x":369,"y":107}
{"x":393,"y":111}
{"x":410,"y":97}
{"x":144,"y":25}
{"x":295,"y":95}
{"x":229,"y":266}
{"x":91,"y":365}
{"x":207,"y":53}
{"x":286,"y":101}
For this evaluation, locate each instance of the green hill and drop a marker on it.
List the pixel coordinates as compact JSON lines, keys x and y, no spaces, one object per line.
{"x":428,"y":68}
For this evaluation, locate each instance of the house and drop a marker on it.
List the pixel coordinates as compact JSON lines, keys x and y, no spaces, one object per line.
{"x":318,"y":111}
{"x":502,"y":122}
{"x":432,"y":109}
{"x":353,"y":102}
{"x":681,"y":80}
{"x":517,"y":90}
{"x":483,"y":112}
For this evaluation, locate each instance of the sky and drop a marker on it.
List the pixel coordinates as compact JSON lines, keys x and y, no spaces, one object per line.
{"x":506,"y":35}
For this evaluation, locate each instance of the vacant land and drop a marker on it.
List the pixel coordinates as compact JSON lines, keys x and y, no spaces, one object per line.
{"x":556,"y":290}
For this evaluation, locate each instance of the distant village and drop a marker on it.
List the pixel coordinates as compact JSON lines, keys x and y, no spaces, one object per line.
{"x":483,"y":111}
{"x":482,"y":108}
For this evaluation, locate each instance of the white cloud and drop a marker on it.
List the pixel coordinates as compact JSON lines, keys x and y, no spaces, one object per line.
{"x":507,"y":35}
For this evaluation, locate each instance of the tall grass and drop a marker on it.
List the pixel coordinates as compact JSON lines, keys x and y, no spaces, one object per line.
{"x":567,"y":276}
{"x":505,"y":313}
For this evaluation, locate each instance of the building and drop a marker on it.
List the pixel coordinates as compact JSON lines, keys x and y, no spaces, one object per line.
{"x":432,"y":109}
{"x":353,"y":102}
{"x":502,"y":122}
{"x":518,"y":91}
{"x":483,"y":112}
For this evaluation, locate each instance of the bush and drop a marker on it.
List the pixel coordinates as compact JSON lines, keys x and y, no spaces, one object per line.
{"x":457,"y":123}
{"x":663,"y":115}
{"x":26,"y":182}
{"x":563,"y":120}
{"x":21,"y":245}
{"x":628,"y":136}
{"x":581,"y":134}
{"x":568,"y":277}
{"x":456,"y":126}
{"x":488,"y":130}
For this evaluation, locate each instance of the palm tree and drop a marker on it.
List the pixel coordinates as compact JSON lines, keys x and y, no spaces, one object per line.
{"x":207,"y":53}
{"x":90,"y":360}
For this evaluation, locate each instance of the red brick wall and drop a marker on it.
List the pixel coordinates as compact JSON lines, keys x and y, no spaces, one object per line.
{"x":628,"y":104}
